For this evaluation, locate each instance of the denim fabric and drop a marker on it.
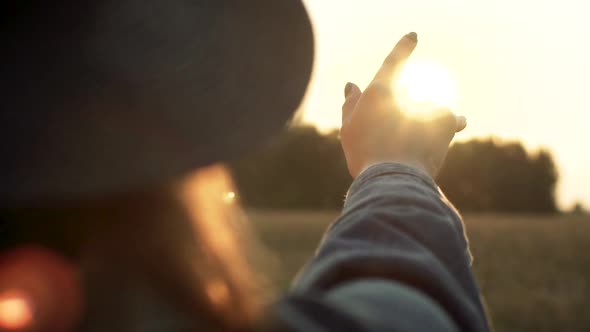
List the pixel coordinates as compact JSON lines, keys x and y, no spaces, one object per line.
{"x":397,"y":259}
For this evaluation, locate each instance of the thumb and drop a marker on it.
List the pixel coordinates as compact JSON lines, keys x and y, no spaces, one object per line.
{"x":444,"y":125}
{"x":461,"y":123}
{"x":352,"y":93}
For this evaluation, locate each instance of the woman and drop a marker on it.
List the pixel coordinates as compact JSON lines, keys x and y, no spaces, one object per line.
{"x":116,"y":217}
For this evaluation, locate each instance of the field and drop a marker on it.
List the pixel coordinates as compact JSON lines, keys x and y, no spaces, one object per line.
{"x":534,"y":272}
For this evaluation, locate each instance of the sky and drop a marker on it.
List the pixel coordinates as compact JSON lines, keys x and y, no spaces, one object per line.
{"x":522,"y":68}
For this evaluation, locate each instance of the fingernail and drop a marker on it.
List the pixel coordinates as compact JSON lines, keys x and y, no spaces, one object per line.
{"x":347,"y":89}
{"x":412,"y":36}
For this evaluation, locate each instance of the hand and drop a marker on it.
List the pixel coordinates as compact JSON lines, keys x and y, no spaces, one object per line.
{"x":375,"y":130}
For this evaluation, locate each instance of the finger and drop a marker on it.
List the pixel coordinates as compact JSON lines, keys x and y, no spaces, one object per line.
{"x":444,"y":124}
{"x":461,"y":123}
{"x":397,"y":57}
{"x":352,"y":94}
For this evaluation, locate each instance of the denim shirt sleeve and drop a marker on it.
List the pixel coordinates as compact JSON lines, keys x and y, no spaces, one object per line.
{"x":396,"y":228}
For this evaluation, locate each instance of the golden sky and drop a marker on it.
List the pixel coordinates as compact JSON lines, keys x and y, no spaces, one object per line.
{"x":521,"y":68}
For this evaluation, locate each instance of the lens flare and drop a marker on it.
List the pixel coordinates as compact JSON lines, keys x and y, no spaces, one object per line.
{"x":16,"y":312}
{"x":229,"y":197}
{"x":423,"y":87}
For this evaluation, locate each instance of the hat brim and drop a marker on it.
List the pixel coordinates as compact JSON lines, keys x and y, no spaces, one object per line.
{"x":130,"y":94}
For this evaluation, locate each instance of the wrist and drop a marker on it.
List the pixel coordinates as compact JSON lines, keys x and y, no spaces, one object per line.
{"x":406,"y":162}
{"x":390,"y":170}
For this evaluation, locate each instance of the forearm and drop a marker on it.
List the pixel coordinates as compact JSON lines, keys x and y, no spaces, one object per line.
{"x":397,"y":225}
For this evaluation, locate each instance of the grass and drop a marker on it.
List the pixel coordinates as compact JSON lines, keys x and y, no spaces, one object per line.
{"x":534,"y":272}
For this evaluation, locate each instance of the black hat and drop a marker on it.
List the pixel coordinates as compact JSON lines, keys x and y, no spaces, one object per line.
{"x":109,"y":96}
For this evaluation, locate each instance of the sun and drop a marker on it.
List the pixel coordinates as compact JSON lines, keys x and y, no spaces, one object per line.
{"x":423,"y":87}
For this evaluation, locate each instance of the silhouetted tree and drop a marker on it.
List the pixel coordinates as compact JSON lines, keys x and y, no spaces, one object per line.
{"x":482,"y":175}
{"x":300,"y":169}
{"x":578,"y":209}
{"x":305,"y":169}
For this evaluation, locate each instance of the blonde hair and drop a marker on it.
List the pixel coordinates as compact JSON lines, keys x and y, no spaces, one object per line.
{"x":190,"y":240}
{"x":233,"y":290}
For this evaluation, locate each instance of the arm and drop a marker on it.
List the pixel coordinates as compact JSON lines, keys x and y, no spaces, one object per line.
{"x":397,"y":227}
{"x":397,"y":258}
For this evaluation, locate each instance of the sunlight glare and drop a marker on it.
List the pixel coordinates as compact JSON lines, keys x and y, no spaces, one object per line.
{"x":229,"y":197}
{"x":15,"y":311}
{"x":423,"y":87}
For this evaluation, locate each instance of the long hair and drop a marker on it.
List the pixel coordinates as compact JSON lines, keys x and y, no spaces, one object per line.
{"x":186,"y":242}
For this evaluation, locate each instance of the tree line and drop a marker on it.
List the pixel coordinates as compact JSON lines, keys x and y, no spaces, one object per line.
{"x":303,"y":169}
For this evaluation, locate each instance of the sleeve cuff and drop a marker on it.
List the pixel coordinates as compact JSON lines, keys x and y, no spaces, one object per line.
{"x":390,"y":168}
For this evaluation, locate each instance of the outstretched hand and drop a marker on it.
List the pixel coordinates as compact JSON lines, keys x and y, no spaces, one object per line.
{"x":375,"y":130}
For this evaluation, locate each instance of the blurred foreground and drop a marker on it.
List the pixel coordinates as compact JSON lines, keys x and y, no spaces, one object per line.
{"x":534,"y":271}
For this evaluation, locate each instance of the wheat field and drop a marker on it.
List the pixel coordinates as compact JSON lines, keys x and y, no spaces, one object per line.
{"x":534,"y":271}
